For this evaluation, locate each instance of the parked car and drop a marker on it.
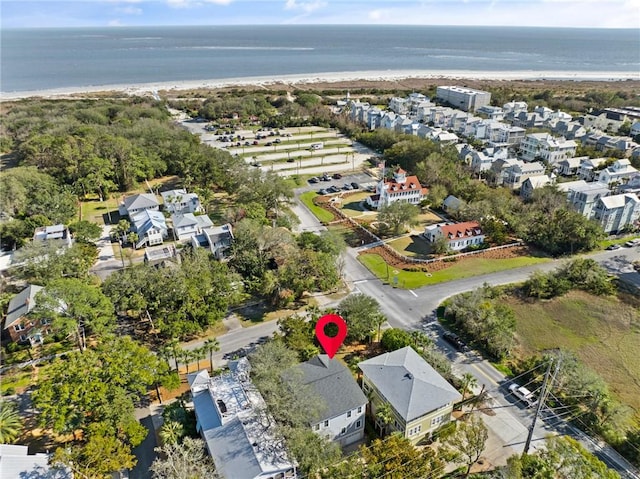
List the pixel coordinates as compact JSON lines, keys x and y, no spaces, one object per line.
{"x":347,"y":186}
{"x":333,"y":189}
{"x":313,"y":179}
{"x":355,"y":185}
{"x":632,"y":243}
{"x":613,"y":247}
{"x":323,"y":191}
{"x":255,"y":142}
{"x":326,"y":177}
{"x":336,"y":176}
{"x":455,"y":341}
{"x":277,"y":140}
{"x":523,"y":394}
{"x":268,"y":144}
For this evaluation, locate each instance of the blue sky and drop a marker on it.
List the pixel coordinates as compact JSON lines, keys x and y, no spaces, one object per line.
{"x":561,"y":13}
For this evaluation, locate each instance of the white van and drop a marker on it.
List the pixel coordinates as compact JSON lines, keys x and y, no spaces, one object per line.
{"x":523,"y":394}
{"x":317,"y":146}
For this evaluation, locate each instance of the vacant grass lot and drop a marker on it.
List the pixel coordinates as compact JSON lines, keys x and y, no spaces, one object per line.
{"x":604,"y":332}
{"x":461,"y":269}
{"x":320,"y":213}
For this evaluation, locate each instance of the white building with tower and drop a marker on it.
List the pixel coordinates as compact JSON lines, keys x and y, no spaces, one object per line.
{"x":401,"y":188}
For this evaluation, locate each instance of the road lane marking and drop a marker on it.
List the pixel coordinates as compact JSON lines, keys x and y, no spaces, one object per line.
{"x":485,"y":375}
{"x":411,"y":291}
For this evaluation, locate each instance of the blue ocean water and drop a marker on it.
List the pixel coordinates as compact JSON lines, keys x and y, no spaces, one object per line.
{"x":37,"y":59}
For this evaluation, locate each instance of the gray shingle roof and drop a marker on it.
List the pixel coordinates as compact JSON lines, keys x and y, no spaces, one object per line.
{"x":21,"y":304}
{"x":333,"y":382}
{"x":409,"y":383}
{"x":144,"y":200}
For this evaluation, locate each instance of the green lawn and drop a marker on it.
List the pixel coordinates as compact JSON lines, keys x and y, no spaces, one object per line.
{"x":320,"y":213}
{"x":604,"y":332}
{"x":462,"y":269}
{"x":412,"y":245}
{"x":608,"y":242}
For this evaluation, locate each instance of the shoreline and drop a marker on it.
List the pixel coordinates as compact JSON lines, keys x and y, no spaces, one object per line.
{"x":333,"y":77}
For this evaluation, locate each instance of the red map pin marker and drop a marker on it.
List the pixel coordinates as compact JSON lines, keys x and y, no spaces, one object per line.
{"x":328,"y":343}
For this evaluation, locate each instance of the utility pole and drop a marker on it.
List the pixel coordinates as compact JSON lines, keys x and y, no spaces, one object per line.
{"x":543,"y":397}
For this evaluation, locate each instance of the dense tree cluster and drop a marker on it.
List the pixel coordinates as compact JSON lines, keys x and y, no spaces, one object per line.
{"x":182,"y":300}
{"x":581,"y":273}
{"x":273,"y":264}
{"x":92,"y":394}
{"x":482,"y":315}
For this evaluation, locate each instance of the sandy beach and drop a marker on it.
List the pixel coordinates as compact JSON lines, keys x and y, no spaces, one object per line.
{"x":327,"y":78}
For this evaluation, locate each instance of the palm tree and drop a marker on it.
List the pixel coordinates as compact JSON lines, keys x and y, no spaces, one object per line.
{"x":187,"y":356}
{"x":468,"y":382}
{"x":198,"y":354}
{"x":10,"y":423}
{"x":384,"y":416}
{"x":209,"y":346}
{"x":173,"y":346}
{"x":171,"y":432}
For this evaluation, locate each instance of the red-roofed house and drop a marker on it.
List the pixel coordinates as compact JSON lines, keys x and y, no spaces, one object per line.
{"x":400,"y":188}
{"x":459,"y":235}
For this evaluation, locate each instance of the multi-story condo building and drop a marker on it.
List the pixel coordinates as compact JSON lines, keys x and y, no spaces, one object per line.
{"x":466,"y":99}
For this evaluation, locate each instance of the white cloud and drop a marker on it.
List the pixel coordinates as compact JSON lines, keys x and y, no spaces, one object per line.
{"x":130,"y":10}
{"x":115,"y":23}
{"x":377,"y":15}
{"x":307,"y":7}
{"x":193,"y":3}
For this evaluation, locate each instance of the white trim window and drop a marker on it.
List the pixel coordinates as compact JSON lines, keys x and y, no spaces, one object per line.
{"x":19,"y":327}
{"x":348,"y":413}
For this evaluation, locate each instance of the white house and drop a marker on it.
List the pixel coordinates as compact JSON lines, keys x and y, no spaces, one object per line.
{"x":619,"y":172}
{"x":401,"y":188}
{"x":137,"y":203}
{"x":615,"y":213}
{"x":238,"y":431}
{"x":399,"y":105}
{"x":217,"y":239}
{"x":55,"y":233}
{"x":569,"y":166}
{"x":533,"y":183}
{"x":515,"y":174}
{"x":589,"y":169}
{"x":547,"y":148}
{"x":583,"y":196}
{"x":342,"y":419}
{"x":150,"y":226}
{"x":458,"y":235}
{"x":179,"y":201}
{"x":187,"y":225}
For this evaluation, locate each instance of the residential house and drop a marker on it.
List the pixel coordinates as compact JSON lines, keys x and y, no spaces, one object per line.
{"x":632,"y":186}
{"x":401,"y":188}
{"x":217,"y":239}
{"x":458,"y":235}
{"x":373,"y":117}
{"x":513,"y":108}
{"x":589,"y":169}
{"x":137,"y":203}
{"x":546,"y":148}
{"x":569,"y":166}
{"x":238,"y":432}
{"x":533,"y":183}
{"x":342,"y":419}
{"x":57,"y":233}
{"x":501,"y":166}
{"x":528,"y":120}
{"x":571,"y":130}
{"x":583,"y":196}
{"x":617,"y":212}
{"x":635,"y":129}
{"x":451,"y":204}
{"x":466,"y":99}
{"x":620,"y":172}
{"x":420,"y":399}
{"x":515,"y":174}
{"x":400,"y":106}
{"x":17,"y":463}
{"x":388,"y":121}
{"x":491,"y":112}
{"x":179,"y":201}
{"x":151,"y":227}
{"x":187,"y":225}
{"x":19,"y":325}
{"x":160,"y":254}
